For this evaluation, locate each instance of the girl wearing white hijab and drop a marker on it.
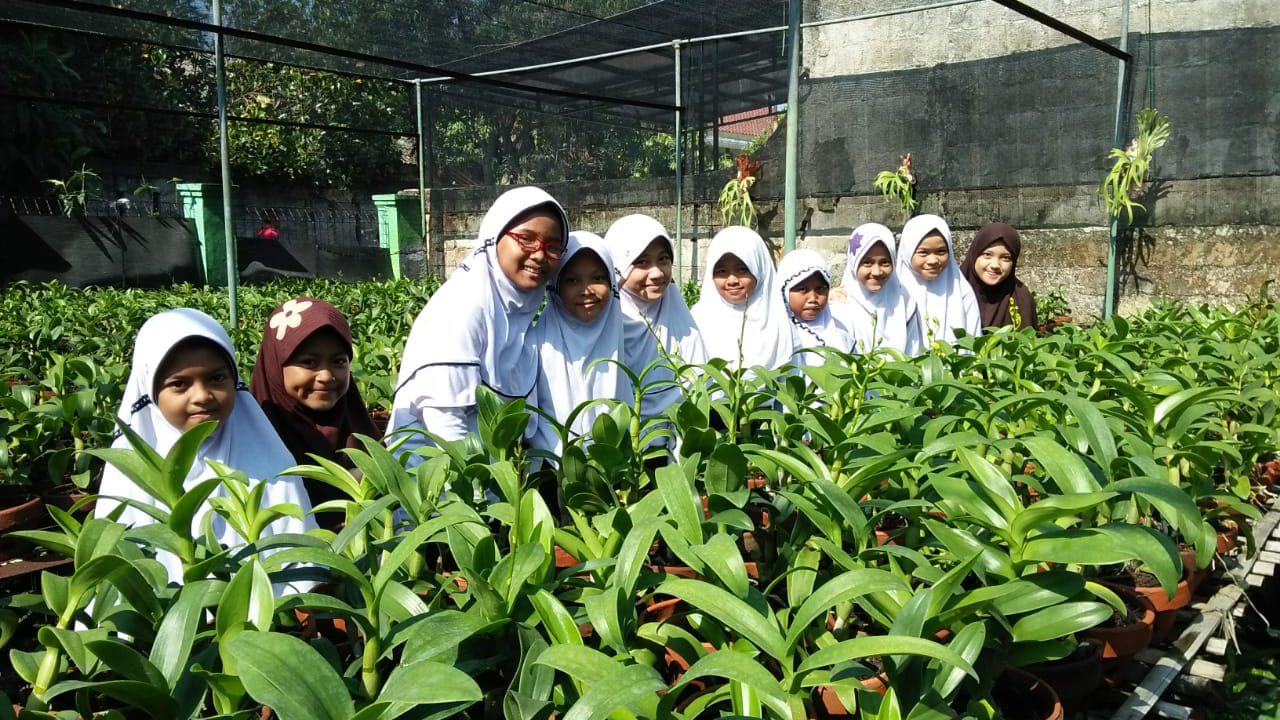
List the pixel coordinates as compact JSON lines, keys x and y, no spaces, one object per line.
{"x":806,"y":282}
{"x":879,"y":312}
{"x":656,"y":321}
{"x":927,"y":269}
{"x":183,"y":374}
{"x":580,"y":339}
{"x":476,"y":329}
{"x":738,"y":311}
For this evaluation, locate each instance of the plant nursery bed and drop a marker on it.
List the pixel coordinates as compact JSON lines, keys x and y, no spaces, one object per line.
{"x":1196,"y":653}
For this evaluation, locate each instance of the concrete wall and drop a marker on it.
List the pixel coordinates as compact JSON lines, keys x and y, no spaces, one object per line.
{"x":1009,"y":120}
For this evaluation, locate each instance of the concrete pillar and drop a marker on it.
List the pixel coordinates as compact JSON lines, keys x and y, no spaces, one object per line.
{"x":399,"y":225}
{"x":202,"y":204}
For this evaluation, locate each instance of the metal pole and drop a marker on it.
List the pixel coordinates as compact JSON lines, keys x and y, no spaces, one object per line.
{"x":422,"y":174}
{"x":1122,"y":87}
{"x":793,"y":127}
{"x":224,"y":151}
{"x":678,"y":250}
{"x":709,"y":38}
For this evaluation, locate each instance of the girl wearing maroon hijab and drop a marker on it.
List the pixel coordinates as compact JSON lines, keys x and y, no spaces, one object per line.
{"x":302,"y":379}
{"x":991,"y":268}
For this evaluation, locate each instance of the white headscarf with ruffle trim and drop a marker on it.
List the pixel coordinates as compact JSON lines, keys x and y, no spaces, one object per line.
{"x":824,"y":330}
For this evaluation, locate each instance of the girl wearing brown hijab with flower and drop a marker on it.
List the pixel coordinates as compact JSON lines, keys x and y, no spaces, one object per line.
{"x":302,"y":379}
{"x":991,"y":268}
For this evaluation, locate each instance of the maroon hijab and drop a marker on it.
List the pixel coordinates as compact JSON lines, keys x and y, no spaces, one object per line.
{"x":304,"y":430}
{"x":993,"y":300}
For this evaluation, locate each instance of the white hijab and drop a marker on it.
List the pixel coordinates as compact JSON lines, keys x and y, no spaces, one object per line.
{"x":246,"y":441}
{"x":876,"y":319}
{"x":651,"y":329}
{"x":568,"y":348}
{"x":475,"y":328}
{"x":824,"y":330}
{"x":759,"y":326}
{"x":945,"y":303}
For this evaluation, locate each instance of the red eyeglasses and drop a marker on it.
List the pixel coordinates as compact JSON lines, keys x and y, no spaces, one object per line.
{"x":532,"y":243}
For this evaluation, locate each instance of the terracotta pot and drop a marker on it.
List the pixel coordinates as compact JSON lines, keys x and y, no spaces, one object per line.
{"x":660,"y":611}
{"x":1227,"y":539}
{"x":1166,"y":608}
{"x":24,"y":513}
{"x":1127,"y":640}
{"x":564,"y":560}
{"x":1074,"y":681}
{"x":1016,"y":688}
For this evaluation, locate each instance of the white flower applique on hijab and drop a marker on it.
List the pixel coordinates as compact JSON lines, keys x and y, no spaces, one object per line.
{"x":886,"y":318}
{"x":245,"y":441}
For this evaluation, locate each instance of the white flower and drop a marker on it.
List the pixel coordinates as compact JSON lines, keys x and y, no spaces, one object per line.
{"x":290,"y":316}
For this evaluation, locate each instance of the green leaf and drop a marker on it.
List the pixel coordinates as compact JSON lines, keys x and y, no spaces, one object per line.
{"x":884,"y":645}
{"x":150,"y":699}
{"x":740,"y":668}
{"x":1063,"y":467}
{"x":290,"y":676}
{"x":127,"y":662}
{"x":842,"y":588}
{"x":172,"y":646}
{"x":429,"y":683}
{"x":634,"y":688}
{"x":439,"y":633}
{"x":677,"y":493}
{"x":555,"y":618}
{"x":723,"y":559}
{"x":1060,"y":620}
{"x":730,"y":611}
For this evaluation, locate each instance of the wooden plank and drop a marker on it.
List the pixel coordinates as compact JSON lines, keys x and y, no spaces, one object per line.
{"x":1269,"y":556}
{"x":1263,"y":568}
{"x":1146,"y":695}
{"x":1272,"y":546}
{"x":1255,"y":580}
{"x":1216,"y":646}
{"x":1172,"y":711}
{"x":1200,"y":667}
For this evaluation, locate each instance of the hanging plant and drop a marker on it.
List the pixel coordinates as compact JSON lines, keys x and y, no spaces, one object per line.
{"x":1133,"y":164}
{"x":899,"y":186}
{"x":736,"y":207}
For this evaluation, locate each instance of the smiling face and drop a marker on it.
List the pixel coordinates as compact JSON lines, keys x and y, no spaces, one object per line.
{"x":318,"y":373}
{"x":994,"y":264}
{"x":650,"y":274}
{"x":808,"y":297}
{"x":583,"y":285}
{"x":931,"y":256}
{"x":733,"y":279}
{"x":195,"y":383}
{"x":875,"y":268}
{"x":530,"y":270}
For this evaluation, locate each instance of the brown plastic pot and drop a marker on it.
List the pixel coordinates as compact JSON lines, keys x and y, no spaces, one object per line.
{"x":1166,"y":608}
{"x":1017,"y":687}
{"x":1074,"y":681}
{"x":1227,"y":539}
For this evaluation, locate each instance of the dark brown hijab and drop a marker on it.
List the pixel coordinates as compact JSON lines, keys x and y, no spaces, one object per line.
{"x":303,"y":430}
{"x":993,"y":300}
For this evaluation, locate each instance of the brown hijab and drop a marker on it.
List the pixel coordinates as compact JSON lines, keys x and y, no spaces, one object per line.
{"x":993,"y":300}
{"x":303,"y":430}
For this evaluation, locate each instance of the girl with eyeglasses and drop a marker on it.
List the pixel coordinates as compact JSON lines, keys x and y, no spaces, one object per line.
{"x":476,"y":329}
